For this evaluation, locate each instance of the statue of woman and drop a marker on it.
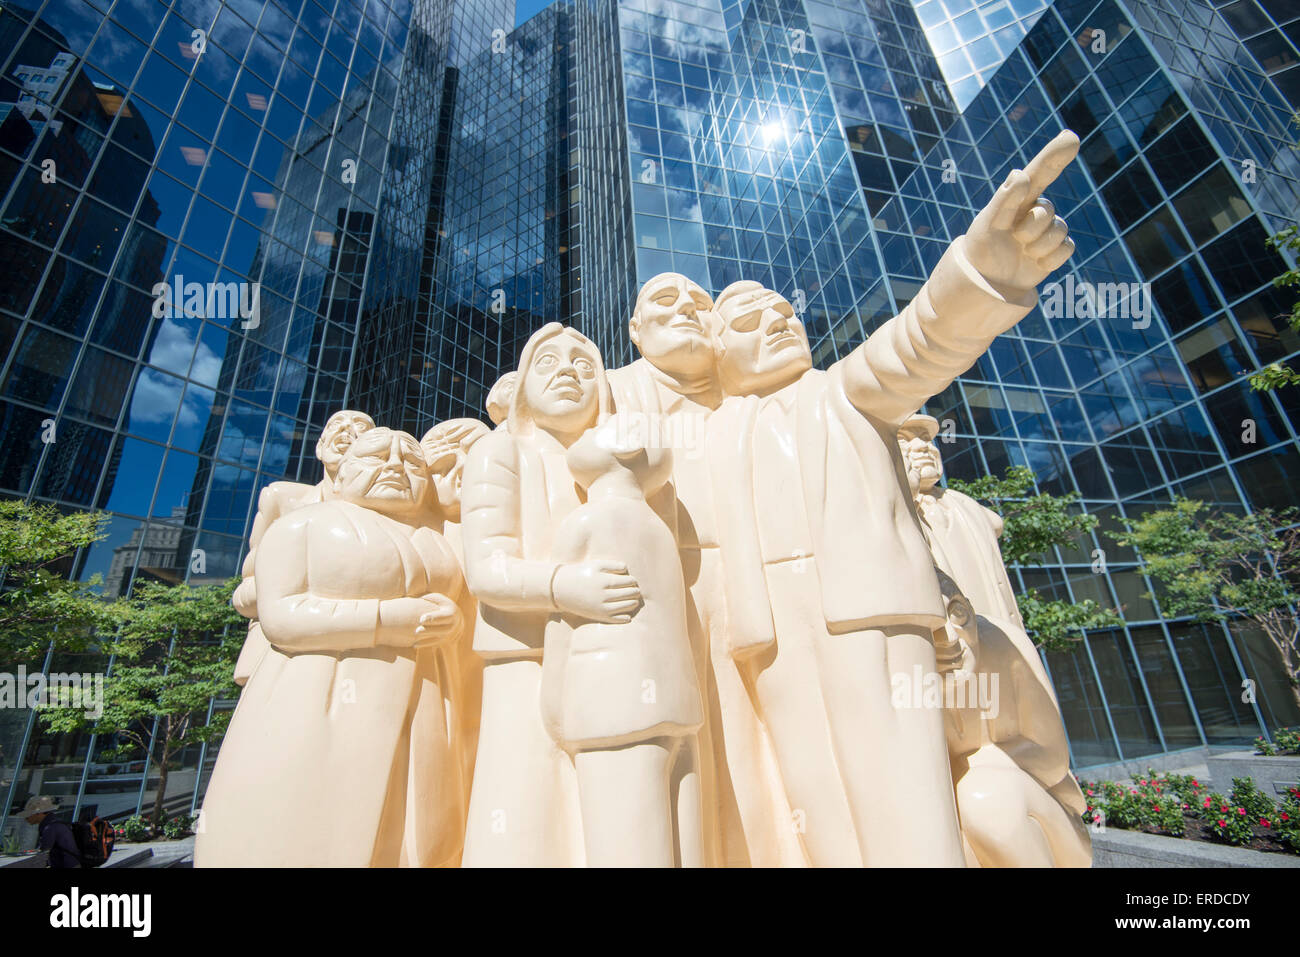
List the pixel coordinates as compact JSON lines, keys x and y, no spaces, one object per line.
{"x":344,"y":750}
{"x":524,"y":808}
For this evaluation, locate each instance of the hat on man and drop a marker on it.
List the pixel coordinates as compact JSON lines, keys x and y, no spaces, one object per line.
{"x":39,"y":804}
{"x":926,"y":426}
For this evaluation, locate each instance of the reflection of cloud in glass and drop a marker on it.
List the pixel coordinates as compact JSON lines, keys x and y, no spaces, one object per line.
{"x":157,"y":394}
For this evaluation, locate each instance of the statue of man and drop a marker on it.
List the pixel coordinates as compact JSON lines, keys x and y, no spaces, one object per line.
{"x":343,"y":750}
{"x":829,"y":585}
{"x":669,"y":393}
{"x":277,"y":499}
{"x":962,"y":533}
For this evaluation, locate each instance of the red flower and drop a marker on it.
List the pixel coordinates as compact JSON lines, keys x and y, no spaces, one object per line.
{"x":1241,"y":811}
{"x":1285,"y":817}
{"x":1223,"y":807}
{"x":1207,"y":803}
{"x":1263,"y":822}
{"x":1221,"y":822}
{"x":1090,"y":792}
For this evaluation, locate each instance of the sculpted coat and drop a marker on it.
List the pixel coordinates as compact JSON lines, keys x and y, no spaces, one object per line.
{"x":524,"y":808}
{"x":351,"y":711}
{"x":1020,"y":805}
{"x":829,"y":586}
{"x":962,"y":533}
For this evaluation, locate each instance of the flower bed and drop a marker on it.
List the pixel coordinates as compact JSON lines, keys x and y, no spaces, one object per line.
{"x":136,"y":830}
{"x":1286,"y":741}
{"x":1177,"y":805}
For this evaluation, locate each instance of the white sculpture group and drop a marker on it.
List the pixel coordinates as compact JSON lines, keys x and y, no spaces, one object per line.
{"x":662,"y":615}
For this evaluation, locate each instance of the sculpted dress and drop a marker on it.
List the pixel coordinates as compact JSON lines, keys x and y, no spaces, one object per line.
{"x":275,"y":500}
{"x":341,"y":753}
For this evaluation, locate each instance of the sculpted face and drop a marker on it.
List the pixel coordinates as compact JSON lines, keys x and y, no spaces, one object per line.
{"x":560,"y":386}
{"x":670,"y":325}
{"x":924,"y":465}
{"x":446,"y":448}
{"x":499,"y":396}
{"x":340,"y":432}
{"x":764,"y":345}
{"x":384,"y":470}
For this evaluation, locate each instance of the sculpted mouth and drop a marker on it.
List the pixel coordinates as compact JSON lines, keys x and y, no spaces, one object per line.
{"x":566,"y":388}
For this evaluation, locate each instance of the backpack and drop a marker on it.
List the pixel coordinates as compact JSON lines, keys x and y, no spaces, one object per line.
{"x":94,"y":840}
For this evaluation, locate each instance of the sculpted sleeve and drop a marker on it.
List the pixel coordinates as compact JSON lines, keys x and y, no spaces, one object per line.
{"x":938,"y":336}
{"x":293,"y":616}
{"x":492,"y":520}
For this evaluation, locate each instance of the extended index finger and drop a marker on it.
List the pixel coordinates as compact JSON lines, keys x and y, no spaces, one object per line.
{"x":1048,"y":164}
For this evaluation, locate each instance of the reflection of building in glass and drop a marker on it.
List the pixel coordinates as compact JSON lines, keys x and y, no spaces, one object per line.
{"x":152,"y":553}
{"x":971,"y":38}
{"x":416,"y":190}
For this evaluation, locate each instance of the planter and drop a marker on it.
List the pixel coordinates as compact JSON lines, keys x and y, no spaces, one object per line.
{"x":1272,"y":775}
{"x":1116,"y":848}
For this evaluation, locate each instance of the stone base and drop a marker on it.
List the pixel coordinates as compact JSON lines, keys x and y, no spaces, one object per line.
{"x":1117,"y":848}
{"x":1272,"y":775}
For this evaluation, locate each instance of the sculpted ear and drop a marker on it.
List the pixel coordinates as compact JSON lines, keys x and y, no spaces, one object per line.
{"x":634,"y":328}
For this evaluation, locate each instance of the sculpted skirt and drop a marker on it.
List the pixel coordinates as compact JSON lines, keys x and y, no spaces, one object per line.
{"x":337,"y":760}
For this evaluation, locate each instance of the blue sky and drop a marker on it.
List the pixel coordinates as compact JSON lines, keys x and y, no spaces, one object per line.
{"x":526,"y":9}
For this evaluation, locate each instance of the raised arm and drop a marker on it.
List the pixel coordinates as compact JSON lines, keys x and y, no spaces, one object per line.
{"x":985,"y":283}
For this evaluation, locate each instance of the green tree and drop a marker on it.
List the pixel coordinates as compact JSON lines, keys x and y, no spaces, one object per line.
{"x":173,"y":652}
{"x":39,"y":603}
{"x":1214,"y":565}
{"x":1033,"y":524}
{"x":1276,"y":375}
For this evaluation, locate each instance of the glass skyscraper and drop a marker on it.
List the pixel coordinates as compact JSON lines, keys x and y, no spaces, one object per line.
{"x":414,"y":187}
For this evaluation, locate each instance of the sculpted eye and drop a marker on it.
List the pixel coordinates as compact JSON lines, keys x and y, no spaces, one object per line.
{"x":585,"y":366}
{"x":546,"y":361}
